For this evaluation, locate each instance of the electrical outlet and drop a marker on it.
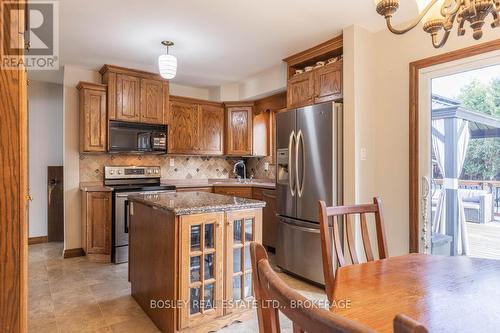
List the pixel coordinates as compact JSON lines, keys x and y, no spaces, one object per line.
{"x":363,"y":154}
{"x":172,"y":162}
{"x":266,"y":166}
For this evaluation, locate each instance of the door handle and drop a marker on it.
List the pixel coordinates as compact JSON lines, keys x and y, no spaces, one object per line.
{"x":300,"y":184}
{"x":291,"y":143}
{"x":126,"y":216}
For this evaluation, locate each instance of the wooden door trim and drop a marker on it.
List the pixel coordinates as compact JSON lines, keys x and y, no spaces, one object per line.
{"x":415,"y":67}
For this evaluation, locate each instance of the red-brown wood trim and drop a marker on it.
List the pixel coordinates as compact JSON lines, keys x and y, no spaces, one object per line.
{"x":415,"y":67}
{"x":72,"y":253}
{"x":38,"y":240}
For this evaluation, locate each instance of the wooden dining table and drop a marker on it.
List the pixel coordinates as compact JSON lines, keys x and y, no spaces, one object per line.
{"x":446,"y":294}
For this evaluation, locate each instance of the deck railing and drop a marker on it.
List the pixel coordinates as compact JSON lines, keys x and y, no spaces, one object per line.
{"x":493,"y":186}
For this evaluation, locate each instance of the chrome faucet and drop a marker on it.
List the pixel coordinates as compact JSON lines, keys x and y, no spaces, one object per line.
{"x":241,"y":162}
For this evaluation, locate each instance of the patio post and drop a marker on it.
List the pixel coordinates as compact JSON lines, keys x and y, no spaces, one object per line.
{"x":450,"y":184}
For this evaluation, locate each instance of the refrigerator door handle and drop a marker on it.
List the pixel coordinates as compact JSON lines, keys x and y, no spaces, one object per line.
{"x":300,"y":184}
{"x":292,"y":141}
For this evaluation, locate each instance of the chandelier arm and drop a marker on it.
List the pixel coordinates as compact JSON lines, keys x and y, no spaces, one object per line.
{"x":413,"y":24}
{"x":443,"y":40}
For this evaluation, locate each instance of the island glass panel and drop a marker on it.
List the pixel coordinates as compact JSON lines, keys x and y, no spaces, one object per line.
{"x":195,"y":237}
{"x":237,"y":231}
{"x":247,"y":285}
{"x":209,"y":266}
{"x":237,"y":260}
{"x":209,"y":236}
{"x":209,"y":297}
{"x":248,"y":230}
{"x":194,"y":300}
{"x":195,"y":269}
{"x":248,"y":258}
{"x":237,"y":287}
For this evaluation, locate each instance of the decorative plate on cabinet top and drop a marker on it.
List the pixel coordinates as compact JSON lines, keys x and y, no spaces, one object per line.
{"x":309,"y":68}
{"x":320,"y":64}
{"x":299,"y":71}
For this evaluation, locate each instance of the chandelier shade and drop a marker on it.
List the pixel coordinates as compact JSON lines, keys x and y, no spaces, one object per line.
{"x":167,"y":64}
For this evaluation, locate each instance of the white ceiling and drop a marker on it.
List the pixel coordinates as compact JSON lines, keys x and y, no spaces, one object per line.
{"x":216,"y":41}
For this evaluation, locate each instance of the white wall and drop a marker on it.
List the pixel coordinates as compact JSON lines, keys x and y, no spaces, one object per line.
{"x":45,"y":147}
{"x":72,"y":224}
{"x":187,"y":91}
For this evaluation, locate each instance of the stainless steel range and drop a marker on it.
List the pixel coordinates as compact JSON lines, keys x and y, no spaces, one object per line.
{"x":127,"y":181}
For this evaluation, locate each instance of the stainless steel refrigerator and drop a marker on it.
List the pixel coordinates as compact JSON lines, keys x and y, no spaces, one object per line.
{"x":309,"y":169}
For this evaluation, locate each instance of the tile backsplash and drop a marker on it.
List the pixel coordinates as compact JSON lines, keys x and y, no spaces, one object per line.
{"x":184,"y":167}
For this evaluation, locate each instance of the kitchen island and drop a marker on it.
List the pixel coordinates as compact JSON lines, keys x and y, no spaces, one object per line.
{"x":189,"y":258}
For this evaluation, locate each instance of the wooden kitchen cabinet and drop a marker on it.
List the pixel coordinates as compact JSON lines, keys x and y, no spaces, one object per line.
{"x":92,"y":117}
{"x":128,"y":98}
{"x":211,"y":129}
{"x":154,"y":100}
{"x":242,"y":228}
{"x":328,"y":83}
{"x":183,"y":127}
{"x":135,"y":96}
{"x":239,"y":128}
{"x":96,"y":225}
{"x":270,"y":222}
{"x":196,"y":127}
{"x":235,"y":191}
{"x":208,"y":189}
{"x":300,"y":91}
{"x":202,"y":270}
{"x":261,"y":133}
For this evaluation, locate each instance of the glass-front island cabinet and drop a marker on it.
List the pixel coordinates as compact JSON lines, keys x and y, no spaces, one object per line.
{"x":189,"y":261}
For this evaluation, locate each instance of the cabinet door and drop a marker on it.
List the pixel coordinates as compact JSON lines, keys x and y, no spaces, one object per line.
{"x":300,"y":90}
{"x":152,"y":102}
{"x":239,"y":131}
{"x":269,"y":223}
{"x":128,"y":98}
{"x":328,"y":83}
{"x":202,"y":278}
{"x":261,"y":133}
{"x":183,"y":128}
{"x":92,"y":120}
{"x":211,"y":129}
{"x":242,"y":227}
{"x":98,"y":223}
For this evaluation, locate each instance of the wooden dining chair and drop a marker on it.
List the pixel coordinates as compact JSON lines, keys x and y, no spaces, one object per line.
{"x":405,"y":324}
{"x":347,"y":213}
{"x":273,"y":295}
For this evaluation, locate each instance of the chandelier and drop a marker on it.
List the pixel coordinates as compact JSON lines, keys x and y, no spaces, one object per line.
{"x":439,"y":16}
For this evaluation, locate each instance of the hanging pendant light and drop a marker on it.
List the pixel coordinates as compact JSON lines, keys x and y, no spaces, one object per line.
{"x":167,"y":63}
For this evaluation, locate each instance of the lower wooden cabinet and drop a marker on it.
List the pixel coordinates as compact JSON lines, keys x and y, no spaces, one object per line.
{"x":242,"y":192}
{"x":96,"y":225}
{"x":270,"y":221}
{"x":215,"y":265}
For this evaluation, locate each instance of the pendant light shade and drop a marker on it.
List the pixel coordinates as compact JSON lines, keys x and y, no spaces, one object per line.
{"x":167,"y":63}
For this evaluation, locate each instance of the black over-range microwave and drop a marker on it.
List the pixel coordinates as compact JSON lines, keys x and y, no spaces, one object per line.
{"x":127,"y":137}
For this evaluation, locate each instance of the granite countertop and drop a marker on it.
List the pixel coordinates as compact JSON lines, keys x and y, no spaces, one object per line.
{"x":187,"y":203}
{"x":94,"y":187}
{"x":186,"y":183}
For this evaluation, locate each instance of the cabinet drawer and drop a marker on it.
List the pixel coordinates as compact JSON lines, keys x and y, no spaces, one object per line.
{"x":242,"y":192}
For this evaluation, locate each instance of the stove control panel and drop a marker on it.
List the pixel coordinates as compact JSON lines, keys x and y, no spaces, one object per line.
{"x":118,"y":172}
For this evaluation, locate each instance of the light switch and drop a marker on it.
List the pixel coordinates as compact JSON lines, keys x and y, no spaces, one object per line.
{"x":172,"y":162}
{"x":266,"y":166}
{"x":363,"y":154}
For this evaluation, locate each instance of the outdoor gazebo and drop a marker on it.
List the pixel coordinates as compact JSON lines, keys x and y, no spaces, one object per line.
{"x":452,"y":128}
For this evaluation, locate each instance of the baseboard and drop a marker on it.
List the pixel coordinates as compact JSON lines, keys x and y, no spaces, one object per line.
{"x":38,"y":240}
{"x":72,"y":253}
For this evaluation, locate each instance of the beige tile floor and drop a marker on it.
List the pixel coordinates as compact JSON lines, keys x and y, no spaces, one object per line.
{"x":74,"y":295}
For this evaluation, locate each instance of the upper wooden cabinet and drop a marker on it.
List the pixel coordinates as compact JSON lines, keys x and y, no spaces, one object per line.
{"x":211,"y":129}
{"x":300,"y":90}
{"x":92,"y":117}
{"x":322,"y":83}
{"x":136,"y":96}
{"x":196,"y":127}
{"x":328,"y":83}
{"x":154,"y":100}
{"x":239,"y":128}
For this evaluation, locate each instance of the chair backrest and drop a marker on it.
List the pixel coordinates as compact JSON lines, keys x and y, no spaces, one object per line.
{"x":273,"y":295}
{"x":347,"y":213}
{"x":405,"y":324}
